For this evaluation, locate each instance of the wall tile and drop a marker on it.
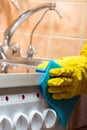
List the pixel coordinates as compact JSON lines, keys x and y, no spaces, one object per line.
{"x":7,"y":10}
{"x":44,"y":26}
{"x":17,"y":69}
{"x":1,"y":37}
{"x":22,"y":40}
{"x":72,"y":0}
{"x":60,"y":47}
{"x":70,"y":23}
{"x":23,"y":5}
{"x":2,"y":21}
{"x":84,"y":27}
{"x":41,"y":44}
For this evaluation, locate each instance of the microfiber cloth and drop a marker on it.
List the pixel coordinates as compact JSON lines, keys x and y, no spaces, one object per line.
{"x":63,"y":107}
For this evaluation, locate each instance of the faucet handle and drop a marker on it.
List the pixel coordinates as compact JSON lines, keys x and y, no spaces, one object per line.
{"x":31,"y":52}
{"x":9,"y":51}
{"x":15,"y":49}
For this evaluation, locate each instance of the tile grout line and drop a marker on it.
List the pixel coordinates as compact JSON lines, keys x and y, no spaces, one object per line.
{"x":82,"y":29}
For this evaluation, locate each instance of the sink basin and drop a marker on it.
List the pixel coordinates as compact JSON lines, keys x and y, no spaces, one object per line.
{"x":21,"y":61}
{"x":20,"y":79}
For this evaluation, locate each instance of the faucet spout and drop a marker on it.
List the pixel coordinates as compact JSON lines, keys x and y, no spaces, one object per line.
{"x":10,"y":31}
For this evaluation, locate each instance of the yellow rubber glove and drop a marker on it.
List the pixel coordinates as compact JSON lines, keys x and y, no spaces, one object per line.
{"x":71,"y":80}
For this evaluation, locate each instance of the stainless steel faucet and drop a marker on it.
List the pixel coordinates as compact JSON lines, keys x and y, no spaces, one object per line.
{"x":10,"y":31}
{"x":7,"y":51}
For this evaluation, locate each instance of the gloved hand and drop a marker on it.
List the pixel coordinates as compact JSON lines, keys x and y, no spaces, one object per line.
{"x":71,"y":79}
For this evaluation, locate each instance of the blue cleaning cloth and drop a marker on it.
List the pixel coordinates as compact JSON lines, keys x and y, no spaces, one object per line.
{"x":63,"y":107}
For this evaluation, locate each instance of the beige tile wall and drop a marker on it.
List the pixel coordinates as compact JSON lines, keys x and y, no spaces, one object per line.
{"x":54,"y":37}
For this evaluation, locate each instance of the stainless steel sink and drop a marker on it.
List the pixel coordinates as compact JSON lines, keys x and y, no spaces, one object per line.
{"x":21,"y":61}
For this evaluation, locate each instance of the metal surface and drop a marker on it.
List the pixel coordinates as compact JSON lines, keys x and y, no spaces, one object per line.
{"x":19,"y":80}
{"x":21,"y":61}
{"x":32,"y":50}
{"x":11,"y":54}
{"x":9,"y":32}
{"x":8,"y":52}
